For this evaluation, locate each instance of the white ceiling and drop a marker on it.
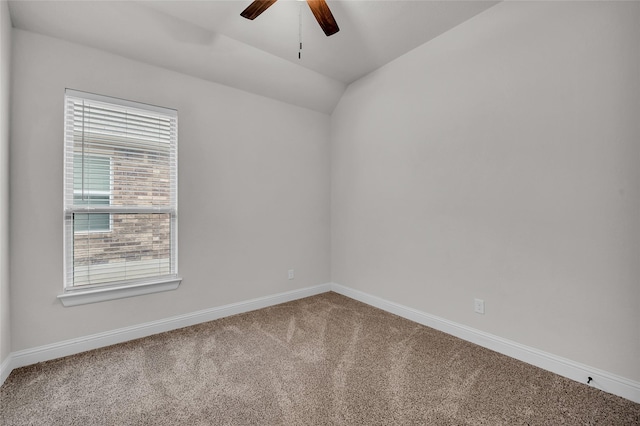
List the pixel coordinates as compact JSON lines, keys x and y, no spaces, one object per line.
{"x":210,"y":40}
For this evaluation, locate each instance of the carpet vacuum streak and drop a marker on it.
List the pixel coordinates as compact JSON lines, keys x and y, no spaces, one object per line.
{"x":323,"y":360}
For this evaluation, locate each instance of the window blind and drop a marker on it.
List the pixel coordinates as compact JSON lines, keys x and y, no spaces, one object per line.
{"x":120,"y":197}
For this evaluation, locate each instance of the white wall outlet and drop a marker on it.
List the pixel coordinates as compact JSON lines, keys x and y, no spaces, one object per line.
{"x":478,"y":306}
{"x":292,"y":274}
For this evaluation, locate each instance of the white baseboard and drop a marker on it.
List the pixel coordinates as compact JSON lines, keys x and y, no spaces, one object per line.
{"x":5,"y":368}
{"x":601,"y":379}
{"x":94,"y":341}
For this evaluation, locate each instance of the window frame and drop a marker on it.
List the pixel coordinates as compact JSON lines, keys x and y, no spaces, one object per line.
{"x":91,"y":293}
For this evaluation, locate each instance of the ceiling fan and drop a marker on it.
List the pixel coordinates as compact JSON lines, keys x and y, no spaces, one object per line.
{"x":319,"y":8}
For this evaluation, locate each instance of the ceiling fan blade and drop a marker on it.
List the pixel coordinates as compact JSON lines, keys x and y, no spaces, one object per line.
{"x":324,"y":16}
{"x":256,"y":8}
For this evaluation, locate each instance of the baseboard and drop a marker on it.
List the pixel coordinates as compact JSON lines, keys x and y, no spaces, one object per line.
{"x":5,"y":368}
{"x":95,"y":341}
{"x":601,"y":379}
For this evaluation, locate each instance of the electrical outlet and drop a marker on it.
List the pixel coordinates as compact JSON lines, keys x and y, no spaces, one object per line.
{"x":292,"y":274}
{"x":478,"y":306}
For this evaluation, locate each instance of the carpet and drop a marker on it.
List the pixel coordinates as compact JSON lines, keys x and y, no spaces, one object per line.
{"x":322,"y":360}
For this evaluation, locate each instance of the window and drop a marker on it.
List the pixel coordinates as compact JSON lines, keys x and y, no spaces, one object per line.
{"x":120,"y":198}
{"x":91,"y":186}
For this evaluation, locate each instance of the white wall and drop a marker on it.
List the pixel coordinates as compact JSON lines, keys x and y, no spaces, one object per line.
{"x":501,"y":161}
{"x":253,"y":191}
{"x":5,"y":67}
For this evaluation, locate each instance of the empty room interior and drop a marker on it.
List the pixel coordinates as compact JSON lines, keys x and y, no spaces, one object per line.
{"x":309,"y":212}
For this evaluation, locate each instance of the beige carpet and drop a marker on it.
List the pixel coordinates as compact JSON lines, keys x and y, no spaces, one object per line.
{"x":324,"y":360}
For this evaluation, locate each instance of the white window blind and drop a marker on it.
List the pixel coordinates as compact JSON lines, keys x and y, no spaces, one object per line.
{"x":120,"y":191}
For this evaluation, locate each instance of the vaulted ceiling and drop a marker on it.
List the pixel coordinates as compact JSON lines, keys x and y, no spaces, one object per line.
{"x":210,"y":40}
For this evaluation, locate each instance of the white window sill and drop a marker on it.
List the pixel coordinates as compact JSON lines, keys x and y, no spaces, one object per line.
{"x":94,"y":295}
